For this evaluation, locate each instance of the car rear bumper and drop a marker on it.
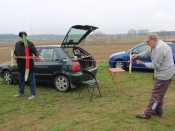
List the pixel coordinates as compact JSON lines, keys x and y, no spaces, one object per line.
{"x":75,"y":78}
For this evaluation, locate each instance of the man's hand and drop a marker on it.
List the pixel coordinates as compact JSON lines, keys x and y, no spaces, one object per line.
{"x":14,"y":57}
{"x":140,"y":62}
{"x":38,"y":57}
{"x":135,"y":56}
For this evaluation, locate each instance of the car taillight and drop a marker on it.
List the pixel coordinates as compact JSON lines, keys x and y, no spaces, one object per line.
{"x":76,"y":66}
{"x":94,"y":61}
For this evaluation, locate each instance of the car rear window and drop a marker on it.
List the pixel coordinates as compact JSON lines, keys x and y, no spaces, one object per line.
{"x":74,"y":35}
{"x":62,"y":54}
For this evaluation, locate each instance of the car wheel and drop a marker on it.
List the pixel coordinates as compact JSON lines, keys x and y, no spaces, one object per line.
{"x":61,"y":83}
{"x":7,"y":77}
{"x":119,"y":64}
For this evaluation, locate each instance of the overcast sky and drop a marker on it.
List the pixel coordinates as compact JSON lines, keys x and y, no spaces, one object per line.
{"x":111,"y":16}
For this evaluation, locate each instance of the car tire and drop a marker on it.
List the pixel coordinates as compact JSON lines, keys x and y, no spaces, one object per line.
{"x":119,"y":64}
{"x":7,"y":77}
{"x":61,"y":83}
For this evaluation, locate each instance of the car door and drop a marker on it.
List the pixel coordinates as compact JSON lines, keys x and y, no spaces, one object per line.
{"x":173,"y":51}
{"x":138,"y":50}
{"x":48,"y":65}
{"x":15,"y":71}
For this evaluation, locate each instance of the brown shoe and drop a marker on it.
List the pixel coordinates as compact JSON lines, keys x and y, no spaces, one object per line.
{"x":143,"y":116}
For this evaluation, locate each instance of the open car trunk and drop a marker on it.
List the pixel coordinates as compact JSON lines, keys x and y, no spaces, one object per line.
{"x":74,"y":37}
{"x":86,"y":63}
{"x":84,"y":58}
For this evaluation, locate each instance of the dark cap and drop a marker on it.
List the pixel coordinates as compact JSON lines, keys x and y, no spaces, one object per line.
{"x":21,"y":33}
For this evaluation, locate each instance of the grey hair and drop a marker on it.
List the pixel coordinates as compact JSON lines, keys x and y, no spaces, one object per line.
{"x":153,"y":35}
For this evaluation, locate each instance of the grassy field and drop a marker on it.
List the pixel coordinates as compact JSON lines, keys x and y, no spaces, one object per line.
{"x":114,"y":111}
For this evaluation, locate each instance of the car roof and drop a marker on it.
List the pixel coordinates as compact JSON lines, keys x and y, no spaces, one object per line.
{"x":48,"y":46}
{"x":170,"y":43}
{"x":55,"y":46}
{"x":167,"y":42}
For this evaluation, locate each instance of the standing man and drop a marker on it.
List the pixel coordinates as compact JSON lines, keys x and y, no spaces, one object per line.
{"x":20,"y":51}
{"x":163,"y":65}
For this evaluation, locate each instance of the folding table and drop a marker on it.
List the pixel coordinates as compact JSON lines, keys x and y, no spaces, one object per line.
{"x":116,"y":79}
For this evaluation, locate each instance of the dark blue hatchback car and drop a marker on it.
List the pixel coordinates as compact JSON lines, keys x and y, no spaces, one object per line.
{"x":121,"y":59}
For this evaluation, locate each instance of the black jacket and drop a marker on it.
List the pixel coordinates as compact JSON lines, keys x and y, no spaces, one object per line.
{"x":20,"y":51}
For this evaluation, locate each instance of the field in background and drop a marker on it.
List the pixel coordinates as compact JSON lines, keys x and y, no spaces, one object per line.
{"x":101,"y":52}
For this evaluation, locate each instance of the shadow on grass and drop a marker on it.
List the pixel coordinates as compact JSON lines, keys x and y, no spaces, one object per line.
{"x":44,"y":85}
{"x":52,"y":87}
{"x":141,"y":70}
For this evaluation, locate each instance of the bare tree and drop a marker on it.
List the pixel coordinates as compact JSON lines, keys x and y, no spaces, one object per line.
{"x":132,"y":33}
{"x":98,"y":37}
{"x":143,"y":32}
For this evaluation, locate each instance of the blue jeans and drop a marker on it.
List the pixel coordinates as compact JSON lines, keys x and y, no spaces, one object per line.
{"x":32,"y":81}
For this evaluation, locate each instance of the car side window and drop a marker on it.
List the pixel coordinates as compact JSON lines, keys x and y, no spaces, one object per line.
{"x":140,"y":49}
{"x":55,"y":57}
{"x":48,"y":55}
{"x":63,"y":54}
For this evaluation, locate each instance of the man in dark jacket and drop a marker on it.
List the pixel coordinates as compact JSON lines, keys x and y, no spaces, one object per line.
{"x":20,"y":51}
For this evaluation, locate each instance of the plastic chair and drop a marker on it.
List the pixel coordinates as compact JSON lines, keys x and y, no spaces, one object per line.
{"x":89,"y":79}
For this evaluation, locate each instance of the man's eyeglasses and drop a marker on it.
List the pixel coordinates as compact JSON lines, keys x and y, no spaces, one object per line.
{"x":150,"y":40}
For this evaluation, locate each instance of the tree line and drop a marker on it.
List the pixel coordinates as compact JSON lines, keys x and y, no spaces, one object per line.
{"x":142,"y":33}
{"x":94,"y":36}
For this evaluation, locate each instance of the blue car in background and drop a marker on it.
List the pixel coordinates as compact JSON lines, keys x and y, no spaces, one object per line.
{"x":121,"y":59}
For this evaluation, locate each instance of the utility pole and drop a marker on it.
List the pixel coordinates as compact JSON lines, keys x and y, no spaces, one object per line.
{"x":31,"y":29}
